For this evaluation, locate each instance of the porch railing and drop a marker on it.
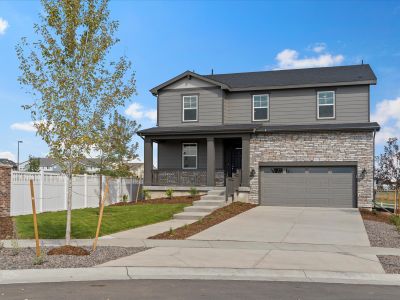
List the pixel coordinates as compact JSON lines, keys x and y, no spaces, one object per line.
{"x":180,"y":177}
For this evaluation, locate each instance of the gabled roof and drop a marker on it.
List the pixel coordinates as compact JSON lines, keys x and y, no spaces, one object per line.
{"x":187,"y":74}
{"x":280,"y":79}
{"x":7,"y":162}
{"x":356,"y":74}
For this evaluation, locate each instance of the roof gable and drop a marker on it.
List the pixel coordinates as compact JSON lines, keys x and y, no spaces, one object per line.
{"x":189,"y":75}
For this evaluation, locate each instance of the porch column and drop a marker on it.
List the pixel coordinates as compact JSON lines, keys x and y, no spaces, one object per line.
{"x":210,"y":161}
{"x":148,"y":161}
{"x":246,"y":161}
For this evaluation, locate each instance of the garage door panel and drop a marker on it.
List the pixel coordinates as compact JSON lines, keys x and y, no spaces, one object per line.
{"x":318,"y":186}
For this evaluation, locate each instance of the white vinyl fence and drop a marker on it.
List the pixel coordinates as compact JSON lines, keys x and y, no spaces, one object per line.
{"x":51,"y":191}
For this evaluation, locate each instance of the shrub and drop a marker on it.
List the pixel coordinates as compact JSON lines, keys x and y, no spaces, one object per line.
{"x":169,"y":193}
{"x":193,"y":192}
{"x":15,"y":247}
{"x":146,"y":194}
{"x":125,"y":198}
{"x":396,"y":221}
{"x":39,"y":260}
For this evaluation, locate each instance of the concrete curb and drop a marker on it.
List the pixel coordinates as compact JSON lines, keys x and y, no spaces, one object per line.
{"x":127,"y":273}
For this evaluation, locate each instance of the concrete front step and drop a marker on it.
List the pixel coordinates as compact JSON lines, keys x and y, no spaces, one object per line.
{"x":218,"y":203}
{"x":190,"y":215}
{"x":216,"y":192}
{"x":213,"y":197}
{"x":208,"y":209}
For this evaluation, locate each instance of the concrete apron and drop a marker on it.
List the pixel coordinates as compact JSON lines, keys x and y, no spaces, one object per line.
{"x":127,"y":273}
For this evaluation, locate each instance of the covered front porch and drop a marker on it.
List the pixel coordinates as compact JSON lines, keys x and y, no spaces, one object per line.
{"x":197,"y":160}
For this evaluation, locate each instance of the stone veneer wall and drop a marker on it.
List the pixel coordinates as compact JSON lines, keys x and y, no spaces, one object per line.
{"x":316,"y":146}
{"x":5,"y":191}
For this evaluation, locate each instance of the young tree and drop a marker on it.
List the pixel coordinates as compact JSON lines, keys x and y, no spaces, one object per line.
{"x":388,"y":170}
{"x":75,"y":86}
{"x":33,"y":164}
{"x":115,"y":146}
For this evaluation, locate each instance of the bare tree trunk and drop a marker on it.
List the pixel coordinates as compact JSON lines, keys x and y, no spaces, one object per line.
{"x":69,"y":208}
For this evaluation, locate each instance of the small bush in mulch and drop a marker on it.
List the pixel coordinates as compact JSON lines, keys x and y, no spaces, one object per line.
{"x":174,"y":200}
{"x":68,"y":250}
{"x":212,"y":219}
{"x":6,"y":228}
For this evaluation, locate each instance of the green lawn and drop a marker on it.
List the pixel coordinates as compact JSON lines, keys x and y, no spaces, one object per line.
{"x":84,"y":221}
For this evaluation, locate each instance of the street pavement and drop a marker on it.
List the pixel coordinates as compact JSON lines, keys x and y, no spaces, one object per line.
{"x":196,"y":290}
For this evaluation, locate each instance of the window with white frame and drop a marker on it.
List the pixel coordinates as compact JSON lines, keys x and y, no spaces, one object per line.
{"x":190,"y":108}
{"x":261,"y":107}
{"x":326,"y":104}
{"x":189,"y":156}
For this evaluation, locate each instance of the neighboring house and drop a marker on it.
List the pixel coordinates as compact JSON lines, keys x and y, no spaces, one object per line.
{"x":7,"y":162}
{"x":47,"y":164}
{"x":137,"y":169}
{"x":294,"y":137}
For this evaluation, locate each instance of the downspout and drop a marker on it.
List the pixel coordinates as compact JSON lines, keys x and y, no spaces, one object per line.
{"x":373,"y":171}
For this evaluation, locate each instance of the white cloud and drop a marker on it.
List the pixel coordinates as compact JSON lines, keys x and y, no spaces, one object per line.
{"x":289,"y":59}
{"x":151,"y":114}
{"x":137,"y":112}
{"x":134,"y":110}
{"x":3,"y":26}
{"x":24,"y":126}
{"x":319,"y":47}
{"x":7,"y":154}
{"x":387,"y":114}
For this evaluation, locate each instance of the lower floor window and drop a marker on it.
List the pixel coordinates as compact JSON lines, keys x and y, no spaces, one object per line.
{"x":189,"y":156}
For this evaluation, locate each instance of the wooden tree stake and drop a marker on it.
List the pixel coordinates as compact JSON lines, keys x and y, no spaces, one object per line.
{"x":138,"y":189}
{"x":100,"y":216}
{"x":35,"y":225}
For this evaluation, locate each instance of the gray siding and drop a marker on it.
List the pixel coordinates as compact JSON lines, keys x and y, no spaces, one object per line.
{"x":299,"y":106}
{"x":170,"y":154}
{"x":170,"y":107}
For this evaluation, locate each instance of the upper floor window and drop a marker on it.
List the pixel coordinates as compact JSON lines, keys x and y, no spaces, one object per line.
{"x":326,"y":105}
{"x":190,"y":108}
{"x":189,"y":156}
{"x":261,"y":107}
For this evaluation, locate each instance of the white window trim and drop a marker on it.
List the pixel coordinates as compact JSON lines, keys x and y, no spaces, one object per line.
{"x":183,"y":156}
{"x":183,"y":108}
{"x":267,"y":107}
{"x":334,"y":105}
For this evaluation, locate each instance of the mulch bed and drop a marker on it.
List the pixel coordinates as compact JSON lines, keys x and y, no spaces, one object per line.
{"x":69,"y":250}
{"x":25,"y":258}
{"x":373,"y":215}
{"x":174,"y":200}
{"x":212,"y":219}
{"x":6,"y":228}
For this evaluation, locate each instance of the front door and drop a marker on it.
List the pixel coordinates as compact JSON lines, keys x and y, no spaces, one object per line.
{"x":232,"y":156}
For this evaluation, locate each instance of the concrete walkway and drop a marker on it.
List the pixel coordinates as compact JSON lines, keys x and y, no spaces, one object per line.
{"x":309,"y":225}
{"x":147,"y":231}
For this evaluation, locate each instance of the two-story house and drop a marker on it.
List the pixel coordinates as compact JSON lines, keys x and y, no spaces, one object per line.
{"x":295,"y":137}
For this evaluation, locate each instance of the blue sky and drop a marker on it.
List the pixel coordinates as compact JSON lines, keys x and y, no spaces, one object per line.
{"x":165,"y":38}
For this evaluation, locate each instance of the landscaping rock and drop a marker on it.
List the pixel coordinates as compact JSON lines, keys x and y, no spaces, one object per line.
{"x":382,"y":234}
{"x":390,"y":263}
{"x":25,"y":258}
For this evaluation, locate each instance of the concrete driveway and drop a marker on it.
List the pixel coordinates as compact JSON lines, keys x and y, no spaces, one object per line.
{"x":333,"y":226}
